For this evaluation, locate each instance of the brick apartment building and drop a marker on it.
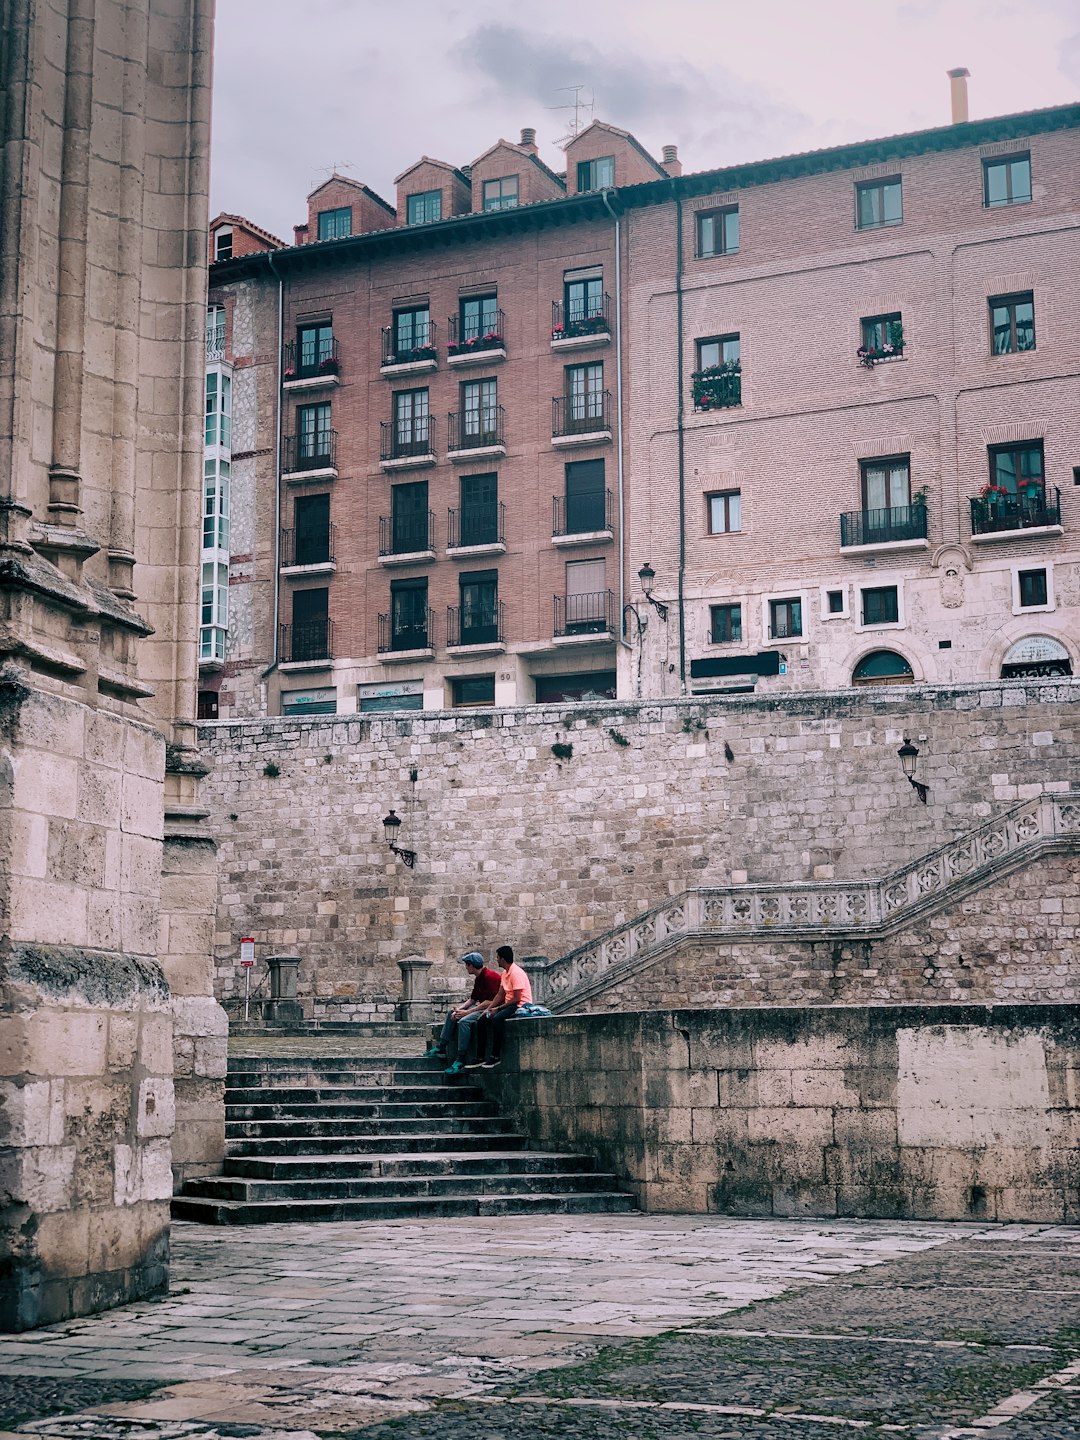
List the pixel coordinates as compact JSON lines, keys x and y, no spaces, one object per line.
{"x":829,"y":402}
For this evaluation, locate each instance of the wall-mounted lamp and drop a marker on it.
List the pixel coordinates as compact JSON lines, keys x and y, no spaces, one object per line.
{"x":391,"y":827}
{"x":647,"y":575}
{"x":909,"y":759}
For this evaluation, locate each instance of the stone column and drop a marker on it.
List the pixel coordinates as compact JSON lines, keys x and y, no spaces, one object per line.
{"x":415,"y":1005}
{"x":283,"y":1008}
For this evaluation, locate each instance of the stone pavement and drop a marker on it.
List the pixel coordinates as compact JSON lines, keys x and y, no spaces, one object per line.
{"x":604,"y":1327}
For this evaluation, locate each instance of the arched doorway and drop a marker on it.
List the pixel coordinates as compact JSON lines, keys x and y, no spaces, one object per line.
{"x":1036,"y":657}
{"x":882,"y":667}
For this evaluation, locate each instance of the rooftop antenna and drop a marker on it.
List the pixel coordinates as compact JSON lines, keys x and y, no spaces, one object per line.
{"x":582,"y":116}
{"x":334,"y":168}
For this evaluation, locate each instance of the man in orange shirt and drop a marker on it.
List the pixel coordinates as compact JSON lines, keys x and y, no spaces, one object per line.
{"x":514,"y":990}
{"x":453,"y":1043}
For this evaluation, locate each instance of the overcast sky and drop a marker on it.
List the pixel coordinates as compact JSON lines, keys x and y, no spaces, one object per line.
{"x":369,"y":86}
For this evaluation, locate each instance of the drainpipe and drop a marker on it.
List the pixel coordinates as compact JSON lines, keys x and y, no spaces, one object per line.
{"x":277,"y":469}
{"x":604,"y":195}
{"x":681,"y":432}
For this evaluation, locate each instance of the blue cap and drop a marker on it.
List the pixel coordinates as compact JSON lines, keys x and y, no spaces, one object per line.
{"x":475,"y":959}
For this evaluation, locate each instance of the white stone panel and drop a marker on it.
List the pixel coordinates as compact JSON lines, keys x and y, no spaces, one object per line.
{"x":962,"y":1085}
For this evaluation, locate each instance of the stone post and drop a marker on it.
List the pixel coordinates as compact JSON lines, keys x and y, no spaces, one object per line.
{"x":414,"y":1007}
{"x":536,"y":967}
{"x":283,"y":1008}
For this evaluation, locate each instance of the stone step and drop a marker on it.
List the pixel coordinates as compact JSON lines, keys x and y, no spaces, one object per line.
{"x":553,"y":1182}
{"x":376,"y":1143}
{"x":360,"y":1082}
{"x":448,"y":1162}
{"x":394,"y":1110}
{"x":240,"y":1212}
{"x":278,"y":1065}
{"x":301,"y":1129}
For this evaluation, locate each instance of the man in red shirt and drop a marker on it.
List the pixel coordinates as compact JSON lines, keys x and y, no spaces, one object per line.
{"x":453,"y":1043}
{"x":514,"y":990}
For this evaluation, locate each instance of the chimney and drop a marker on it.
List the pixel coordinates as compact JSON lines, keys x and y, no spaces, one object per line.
{"x":958,"y":94}
{"x":528,"y":140}
{"x":671,"y":162}
{"x":300,"y":234}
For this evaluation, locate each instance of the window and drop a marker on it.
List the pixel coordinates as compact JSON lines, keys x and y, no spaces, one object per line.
{"x":717,"y":382}
{"x":412,"y":332}
{"x":785,"y":619}
{"x":310,"y":638}
{"x":309,"y":702}
{"x":1012,"y":323}
{"x":575,"y":689}
{"x":410,"y":529}
{"x":882,"y":667}
{"x":223,"y":244}
{"x":215,"y":610}
{"x":408,"y":615}
{"x":216,"y":505}
{"x":334,"y":224}
{"x":480,"y":412}
{"x":718,"y":232}
{"x":726,"y":624}
{"x":423,"y":208}
{"x":314,"y":347}
{"x":1007,"y":181}
{"x":379,"y":698}
{"x":880,"y":605}
{"x":886,"y":483}
{"x":215,"y":331}
{"x":501,"y":194}
{"x":218,"y":409}
{"x":479,"y":315}
{"x":411,"y":422}
{"x":585,"y":396}
{"x":725,"y":350}
{"x":586,"y":498}
{"x":583,"y":299}
{"x":479,"y":596}
{"x":882,"y":336}
{"x":834,"y":602}
{"x":479,"y":510}
{"x":725,"y":512}
{"x":311,"y":522}
{"x":596,"y":174}
{"x":586,"y":598}
{"x":877,"y":203}
{"x":1018,"y":469}
{"x":1032,"y":589}
{"x":207,"y":705}
{"x":1037,"y":657}
{"x":313,"y":430}
{"x":472,"y":691}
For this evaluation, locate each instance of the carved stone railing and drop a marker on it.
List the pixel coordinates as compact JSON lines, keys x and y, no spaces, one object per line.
{"x":812,"y":910}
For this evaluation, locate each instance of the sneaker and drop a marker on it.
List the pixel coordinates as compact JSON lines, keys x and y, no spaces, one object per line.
{"x":489,"y":1064}
{"x":454,"y":1069}
{"x":473,"y":1065}
{"x":433,"y":1051}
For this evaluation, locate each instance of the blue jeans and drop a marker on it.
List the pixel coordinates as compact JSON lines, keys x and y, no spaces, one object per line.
{"x":457,"y":1035}
{"x":490,"y":1034}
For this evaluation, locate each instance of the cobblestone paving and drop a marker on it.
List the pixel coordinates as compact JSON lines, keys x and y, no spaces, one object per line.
{"x":636,"y":1327}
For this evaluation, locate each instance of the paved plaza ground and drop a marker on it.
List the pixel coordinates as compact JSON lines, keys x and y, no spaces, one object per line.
{"x":636,"y":1327}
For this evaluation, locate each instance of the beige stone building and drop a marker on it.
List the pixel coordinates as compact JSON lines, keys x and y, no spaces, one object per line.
{"x":107,"y":876}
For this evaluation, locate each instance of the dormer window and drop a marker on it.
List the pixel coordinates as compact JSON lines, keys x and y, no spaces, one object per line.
{"x":423,"y":208}
{"x":598,"y":174}
{"x":223,"y":244}
{"x":501,"y":194}
{"x":335,"y":224}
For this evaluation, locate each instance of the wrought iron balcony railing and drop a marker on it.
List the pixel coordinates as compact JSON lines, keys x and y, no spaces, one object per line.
{"x":303,"y":547}
{"x":719,"y":387}
{"x":581,"y":414}
{"x":396,"y":633}
{"x":997,"y":510}
{"x":482,"y":524}
{"x":475,"y":429}
{"x":484,"y":628}
{"x":410,"y":348}
{"x":313,"y":640}
{"x":580,"y":317}
{"x":471,"y":338}
{"x":316,"y":451}
{"x":311,"y":361}
{"x":402,"y":440}
{"x":406,"y":534}
{"x":883,"y":527}
{"x":591,"y":613}
{"x":582,"y":514}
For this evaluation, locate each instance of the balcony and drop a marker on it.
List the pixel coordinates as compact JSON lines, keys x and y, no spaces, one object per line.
{"x":483,"y":632}
{"x":586,"y":618}
{"x":582,"y":519}
{"x":475,"y":434}
{"x":466,"y":345}
{"x":311,"y":457}
{"x":215,"y":345}
{"x":404,"y":641}
{"x":306,"y":552}
{"x":1000,"y":515}
{"x":311,"y":643}
{"x":902,"y":528}
{"x":409,"y":358}
{"x":581,"y":419}
{"x":407,"y":445}
{"x":477,"y":529}
{"x":406,"y":540}
{"x":576,"y":327}
{"x":719,"y":387}
{"x":310,"y":367}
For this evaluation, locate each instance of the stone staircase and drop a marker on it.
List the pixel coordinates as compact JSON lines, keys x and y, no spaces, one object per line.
{"x":347,"y":1137}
